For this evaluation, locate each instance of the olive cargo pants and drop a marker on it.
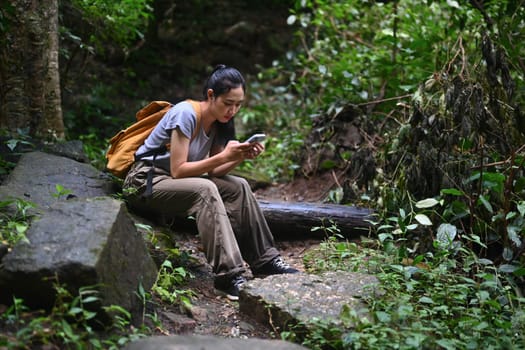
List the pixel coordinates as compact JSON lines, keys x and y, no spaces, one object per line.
{"x":231,"y":224}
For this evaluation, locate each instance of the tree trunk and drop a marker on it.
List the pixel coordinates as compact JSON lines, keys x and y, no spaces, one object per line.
{"x":29,"y":74}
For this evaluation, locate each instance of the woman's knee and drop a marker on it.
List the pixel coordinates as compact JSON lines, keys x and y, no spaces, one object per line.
{"x":242,"y":181}
{"x":236,"y":185}
{"x":207,"y":189}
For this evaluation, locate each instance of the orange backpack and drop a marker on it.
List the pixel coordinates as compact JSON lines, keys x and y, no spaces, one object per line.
{"x":121,"y":152}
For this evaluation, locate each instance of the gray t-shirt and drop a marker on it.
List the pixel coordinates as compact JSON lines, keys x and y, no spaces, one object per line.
{"x":183,"y":117}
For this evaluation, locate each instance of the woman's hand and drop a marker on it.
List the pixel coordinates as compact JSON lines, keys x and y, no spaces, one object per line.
{"x":236,"y":151}
{"x":255,"y":150}
{"x":233,"y":154}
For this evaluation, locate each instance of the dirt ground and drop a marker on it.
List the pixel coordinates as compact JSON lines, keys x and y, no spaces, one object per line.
{"x":216,"y":315}
{"x":313,"y":189}
{"x":212,"y":314}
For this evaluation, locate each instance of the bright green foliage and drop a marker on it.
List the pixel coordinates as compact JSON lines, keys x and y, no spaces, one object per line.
{"x":279,"y":114}
{"x":172,"y":274}
{"x":70,"y":324}
{"x":357,"y":51}
{"x":61,"y":191}
{"x":491,"y":217}
{"x":374,"y":55}
{"x":14,"y":221}
{"x":168,"y":283}
{"x":495,"y":212}
{"x":440,"y":288}
{"x":121,"y":22}
{"x":447,"y":299}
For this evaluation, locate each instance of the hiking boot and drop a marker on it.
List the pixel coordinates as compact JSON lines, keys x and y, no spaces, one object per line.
{"x":229,"y":287}
{"x":275,"y":267}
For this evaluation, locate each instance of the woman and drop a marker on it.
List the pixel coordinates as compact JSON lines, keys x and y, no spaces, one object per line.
{"x":192,"y":179}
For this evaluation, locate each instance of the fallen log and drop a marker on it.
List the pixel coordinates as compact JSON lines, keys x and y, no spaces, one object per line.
{"x":296,"y":220}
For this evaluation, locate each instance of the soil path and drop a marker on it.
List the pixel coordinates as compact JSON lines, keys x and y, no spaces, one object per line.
{"x":212,"y":314}
{"x":216,"y":315}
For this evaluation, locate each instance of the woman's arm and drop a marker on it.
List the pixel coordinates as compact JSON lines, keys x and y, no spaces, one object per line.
{"x":225,"y":168}
{"x":233,"y":153}
{"x":251,"y":152}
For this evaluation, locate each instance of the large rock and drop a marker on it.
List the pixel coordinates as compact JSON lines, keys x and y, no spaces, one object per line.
{"x":201,"y":342}
{"x":79,"y":238}
{"x":86,"y":242}
{"x":296,"y":301}
{"x":37,"y":174}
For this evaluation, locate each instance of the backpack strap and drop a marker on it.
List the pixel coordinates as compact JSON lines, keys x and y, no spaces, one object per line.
{"x":198,"y":113}
{"x":162,"y":149}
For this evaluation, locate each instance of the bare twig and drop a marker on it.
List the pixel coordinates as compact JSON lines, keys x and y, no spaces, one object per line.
{"x":502,"y":162}
{"x":384,"y":100}
{"x":336,"y":180}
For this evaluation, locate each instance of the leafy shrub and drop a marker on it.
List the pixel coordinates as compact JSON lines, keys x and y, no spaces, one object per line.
{"x":119,"y":22}
{"x":14,"y":223}
{"x":71,"y":323}
{"x":448,"y":298}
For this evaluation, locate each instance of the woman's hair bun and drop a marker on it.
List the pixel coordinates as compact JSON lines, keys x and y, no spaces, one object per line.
{"x":218,"y":67}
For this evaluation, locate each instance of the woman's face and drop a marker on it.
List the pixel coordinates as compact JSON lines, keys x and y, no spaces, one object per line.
{"x":225,"y":106}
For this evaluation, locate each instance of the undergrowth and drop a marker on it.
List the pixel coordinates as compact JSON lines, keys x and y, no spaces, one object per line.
{"x":70,"y":324}
{"x":448,"y":296}
{"x":442,"y":300}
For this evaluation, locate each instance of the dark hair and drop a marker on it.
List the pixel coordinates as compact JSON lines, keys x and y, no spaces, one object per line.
{"x":222,"y":80}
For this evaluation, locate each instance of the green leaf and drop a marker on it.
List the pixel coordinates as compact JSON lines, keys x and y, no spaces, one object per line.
{"x":328,"y":164}
{"x":384,"y":236}
{"x":484,"y":261}
{"x":521,"y":208}
{"x":519,"y":272}
{"x":167,"y":264}
{"x":449,"y":344}
{"x":11,"y":144}
{"x":90,"y":299}
{"x":494,"y":181}
{"x":486,"y":204}
{"x":453,"y":3}
{"x":483,"y":295}
{"x":426,"y":300}
{"x":507,"y":254}
{"x":382,"y":316}
{"x":88,"y":315}
{"x":385,"y":227}
{"x":141,"y":292}
{"x":513,"y":233}
{"x":482,"y":325}
{"x":66,"y":327}
{"x":427,"y":203}
{"x":75,"y":310}
{"x":506,"y":268}
{"x":452,"y":191}
{"x":423,"y":219}
{"x":446,"y":233}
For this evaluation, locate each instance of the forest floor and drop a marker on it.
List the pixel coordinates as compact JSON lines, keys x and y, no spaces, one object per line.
{"x":212,"y":314}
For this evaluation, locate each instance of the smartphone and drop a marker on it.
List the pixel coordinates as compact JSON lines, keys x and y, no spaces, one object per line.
{"x":256,"y":138}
